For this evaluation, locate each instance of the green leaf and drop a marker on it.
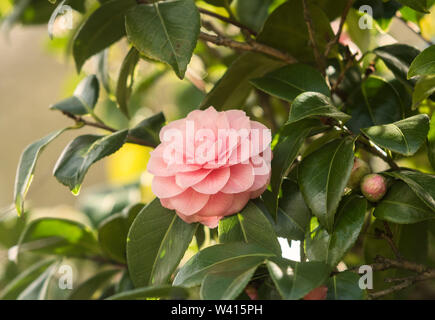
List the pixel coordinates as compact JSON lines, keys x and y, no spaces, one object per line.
{"x":227,"y":280}
{"x":250,"y":226}
{"x":296,"y":279}
{"x":421,"y":183}
{"x":344,"y":286}
{"x":424,"y":88}
{"x":101,"y":29}
{"x":38,"y":289}
{"x":323,"y":175}
{"x":376,"y":102}
{"x":424,"y":63}
{"x":156,"y":243}
{"x":84,"y":98}
{"x":288,"y":82}
{"x":285,"y":153}
{"x":418,"y":5}
{"x":162,"y":292}
{"x":286,"y":30}
{"x":313,"y":104}
{"x":331,"y":248}
{"x":26,"y":167}
{"x":125,"y":79}
{"x":148,"y":129}
{"x":431,"y":142}
{"x":60,"y":237}
{"x":87,"y":289}
{"x":165,"y":31}
{"x":81,"y":153}
{"x":219,"y":3}
{"x":233,"y":88}
{"x":253,"y":13}
{"x":24,"y":279}
{"x":293,"y":214}
{"x":112,"y":232}
{"x":398,"y":58}
{"x":401,"y":205}
{"x":194,"y":271}
{"x":404,"y":136}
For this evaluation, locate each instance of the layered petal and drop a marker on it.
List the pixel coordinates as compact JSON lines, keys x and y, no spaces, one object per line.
{"x":165,"y":187}
{"x":214,"y":182}
{"x":241,"y":179}
{"x":189,"y":202}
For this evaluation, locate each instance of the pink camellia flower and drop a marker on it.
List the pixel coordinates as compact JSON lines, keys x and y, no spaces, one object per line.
{"x":210,"y":164}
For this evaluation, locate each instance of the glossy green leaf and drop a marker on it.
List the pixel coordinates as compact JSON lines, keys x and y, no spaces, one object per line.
{"x":312,"y":104}
{"x":162,"y":292}
{"x":24,"y":279}
{"x":401,"y":205}
{"x":293,"y":213}
{"x":233,"y":88}
{"x":101,"y":29}
{"x":286,"y":30}
{"x":404,"y":136}
{"x":323,"y":175}
{"x":87,"y":289}
{"x":81,"y":153}
{"x":331,"y":248}
{"x":296,"y":279}
{"x":156,"y":243}
{"x":125,"y":79}
{"x":421,"y":183}
{"x":424,"y":64}
{"x":228,"y":280}
{"x":345,"y":286}
{"x":424,"y":88}
{"x":60,"y":237}
{"x":253,"y":13}
{"x":165,"y":31}
{"x":250,"y":226}
{"x":148,"y":129}
{"x":112,"y":232}
{"x":194,"y":271}
{"x":219,"y":3}
{"x":376,"y":102}
{"x":398,"y":58}
{"x":83,"y":100}
{"x":418,"y":5}
{"x":38,"y":289}
{"x":431,"y":142}
{"x":288,"y":82}
{"x":26,"y":167}
{"x":285,"y":153}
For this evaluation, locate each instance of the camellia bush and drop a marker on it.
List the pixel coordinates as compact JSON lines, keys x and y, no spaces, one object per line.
{"x":293,"y":122}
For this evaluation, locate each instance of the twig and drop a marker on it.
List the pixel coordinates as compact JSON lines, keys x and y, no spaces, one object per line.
{"x":368,"y":147}
{"x":252,"y":46}
{"x":340,"y":28}
{"x":228,"y":20}
{"x":388,"y":236}
{"x":130,"y":138}
{"x":309,"y":23}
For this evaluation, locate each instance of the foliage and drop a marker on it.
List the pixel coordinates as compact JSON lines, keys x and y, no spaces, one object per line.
{"x":284,"y":67}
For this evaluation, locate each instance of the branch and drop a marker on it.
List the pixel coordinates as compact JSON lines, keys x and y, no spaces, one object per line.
{"x":340,"y":28}
{"x":377,"y":152}
{"x":228,"y":20}
{"x":423,"y":273}
{"x":130,"y":138}
{"x":252,"y":46}
{"x":309,"y":22}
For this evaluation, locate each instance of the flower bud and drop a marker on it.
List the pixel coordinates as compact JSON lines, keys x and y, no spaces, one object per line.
{"x":317,"y":294}
{"x":374,"y":187}
{"x":359,"y":170}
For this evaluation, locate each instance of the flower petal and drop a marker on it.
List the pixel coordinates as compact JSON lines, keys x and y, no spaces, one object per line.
{"x":214,"y":182}
{"x":189,"y":202}
{"x":217,"y":205}
{"x":165,"y":187}
{"x":188,"y":179}
{"x":239,"y":202}
{"x":241,"y":179}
